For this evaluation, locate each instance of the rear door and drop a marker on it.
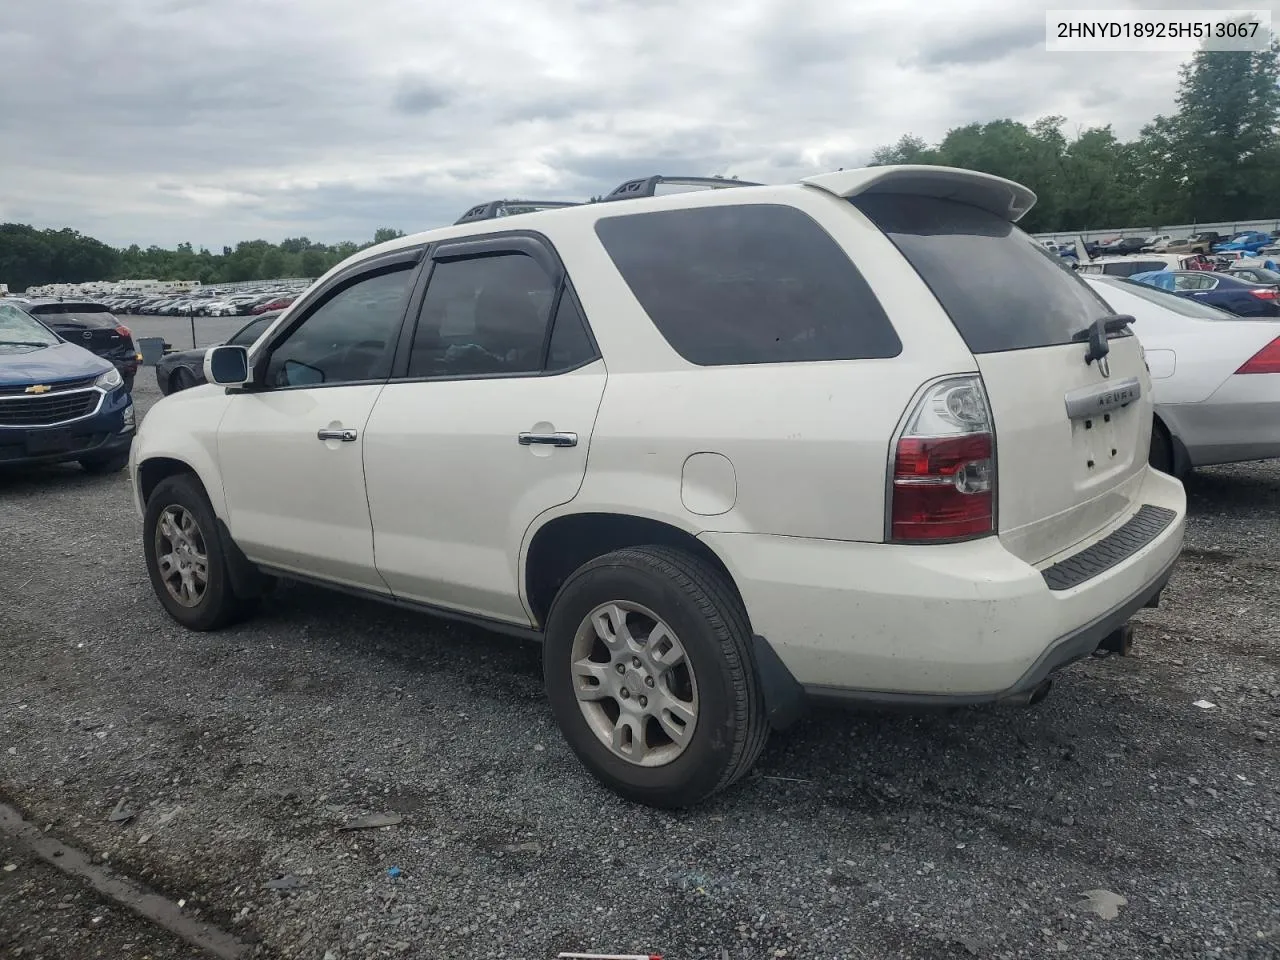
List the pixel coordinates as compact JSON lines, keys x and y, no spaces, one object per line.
{"x":1072,"y":436}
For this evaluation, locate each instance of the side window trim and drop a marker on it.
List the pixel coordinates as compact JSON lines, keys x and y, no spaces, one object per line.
{"x":409,"y":258}
{"x":526,"y":242}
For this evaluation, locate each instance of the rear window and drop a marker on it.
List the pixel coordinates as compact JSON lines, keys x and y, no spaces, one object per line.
{"x":88,"y":314}
{"x":750,"y":283}
{"x":1002,"y":290}
{"x":1183,"y":306}
{"x":1128,"y":268}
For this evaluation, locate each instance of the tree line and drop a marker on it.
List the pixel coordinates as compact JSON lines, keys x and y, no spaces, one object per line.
{"x":31,"y":257}
{"x":1217,"y":157}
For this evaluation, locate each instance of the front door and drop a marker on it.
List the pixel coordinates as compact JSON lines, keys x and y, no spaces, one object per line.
{"x":485,"y":426}
{"x":291,"y":446}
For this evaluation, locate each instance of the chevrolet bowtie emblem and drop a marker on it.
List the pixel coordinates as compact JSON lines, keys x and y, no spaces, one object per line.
{"x":39,"y":388}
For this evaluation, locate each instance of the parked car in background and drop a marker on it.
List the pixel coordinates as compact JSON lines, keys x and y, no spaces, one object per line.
{"x":1125,"y":266}
{"x":1201,"y":242}
{"x":416,"y":429}
{"x":58,"y":401}
{"x":1250,"y":241}
{"x":184,"y":369}
{"x":1264,"y":275}
{"x":279,"y":303}
{"x":1157,"y":243}
{"x":1228,"y":293}
{"x":1215,"y":377}
{"x":92,"y":326}
{"x":1123,"y":246}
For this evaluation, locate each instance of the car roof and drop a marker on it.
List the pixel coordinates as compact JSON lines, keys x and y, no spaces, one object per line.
{"x":999,"y":196}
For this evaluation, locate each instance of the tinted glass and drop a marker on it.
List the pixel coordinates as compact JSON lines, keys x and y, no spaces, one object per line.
{"x":1002,"y":290}
{"x":81,"y":314}
{"x":1183,"y":306}
{"x":570,"y":345}
{"x":348,"y":338}
{"x":755,"y":283}
{"x":245,"y":336}
{"x":1128,"y":268}
{"x":482,"y":316}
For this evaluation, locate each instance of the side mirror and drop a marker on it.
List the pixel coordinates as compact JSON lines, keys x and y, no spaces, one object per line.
{"x":227,"y":365}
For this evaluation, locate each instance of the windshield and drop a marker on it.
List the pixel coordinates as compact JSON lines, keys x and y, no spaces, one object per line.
{"x":20,"y":331}
{"x":1196,"y":309}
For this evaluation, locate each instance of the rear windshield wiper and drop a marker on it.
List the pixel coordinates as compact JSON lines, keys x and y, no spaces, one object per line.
{"x":1111,"y":323}
{"x":1096,"y":333}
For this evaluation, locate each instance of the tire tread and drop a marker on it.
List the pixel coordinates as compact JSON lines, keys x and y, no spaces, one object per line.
{"x":719,"y":604}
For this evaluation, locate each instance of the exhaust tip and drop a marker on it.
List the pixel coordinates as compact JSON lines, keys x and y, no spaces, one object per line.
{"x":1039,"y":693}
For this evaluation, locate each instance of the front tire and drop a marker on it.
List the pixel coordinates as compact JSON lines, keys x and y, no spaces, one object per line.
{"x":669,"y":625}
{"x":182,"y":379}
{"x":185,"y":556}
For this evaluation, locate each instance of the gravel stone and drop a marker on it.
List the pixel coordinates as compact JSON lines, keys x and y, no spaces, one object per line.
{"x":863,"y":834}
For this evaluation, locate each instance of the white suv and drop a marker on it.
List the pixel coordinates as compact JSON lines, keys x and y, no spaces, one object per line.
{"x":721,"y":451}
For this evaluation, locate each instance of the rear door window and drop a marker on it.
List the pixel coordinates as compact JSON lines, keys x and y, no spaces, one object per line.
{"x":1002,"y":290}
{"x":749,"y":283}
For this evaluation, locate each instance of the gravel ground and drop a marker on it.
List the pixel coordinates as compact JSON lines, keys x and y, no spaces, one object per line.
{"x":968,"y":833}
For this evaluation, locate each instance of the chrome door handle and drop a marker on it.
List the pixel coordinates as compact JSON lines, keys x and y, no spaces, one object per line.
{"x":551,"y":439}
{"x":346,"y":436}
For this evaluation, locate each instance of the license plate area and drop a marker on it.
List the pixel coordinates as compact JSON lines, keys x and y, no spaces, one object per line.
{"x":49,"y":441}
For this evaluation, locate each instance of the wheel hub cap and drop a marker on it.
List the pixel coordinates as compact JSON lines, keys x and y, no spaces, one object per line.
{"x":181,"y":555}
{"x":634,"y":683}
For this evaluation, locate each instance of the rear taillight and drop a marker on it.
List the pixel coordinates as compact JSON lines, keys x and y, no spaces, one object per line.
{"x":124,"y":331}
{"x":944,"y":469}
{"x":1266,"y":360}
{"x":1267,"y":293}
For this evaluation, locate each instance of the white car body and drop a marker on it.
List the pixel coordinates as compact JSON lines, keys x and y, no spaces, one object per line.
{"x":1158,"y":243}
{"x":1129,"y":264}
{"x":1194,"y":351}
{"x":780,"y":471}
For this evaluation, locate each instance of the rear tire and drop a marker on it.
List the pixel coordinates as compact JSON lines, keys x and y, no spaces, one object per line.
{"x":186,"y":558}
{"x":1161,"y":456}
{"x":682,"y":609}
{"x":182,"y":379}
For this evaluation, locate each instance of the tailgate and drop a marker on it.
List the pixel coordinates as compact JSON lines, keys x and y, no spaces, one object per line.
{"x":1072,"y":437}
{"x":91,"y":326}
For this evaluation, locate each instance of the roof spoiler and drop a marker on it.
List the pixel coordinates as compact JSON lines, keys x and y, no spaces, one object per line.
{"x":647,"y":186}
{"x":509,"y":208}
{"x":996,"y":195}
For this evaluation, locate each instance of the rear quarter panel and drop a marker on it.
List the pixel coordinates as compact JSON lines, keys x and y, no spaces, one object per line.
{"x":809,"y":442}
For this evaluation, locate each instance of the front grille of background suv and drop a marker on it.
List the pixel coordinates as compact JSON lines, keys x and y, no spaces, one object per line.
{"x":48,"y":410}
{"x":21,"y":390}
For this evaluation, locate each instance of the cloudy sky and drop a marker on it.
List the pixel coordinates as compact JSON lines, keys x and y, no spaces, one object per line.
{"x":213,"y":121}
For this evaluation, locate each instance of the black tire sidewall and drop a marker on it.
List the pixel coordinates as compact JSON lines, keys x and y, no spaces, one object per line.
{"x":212,"y":610}
{"x":700,"y":769}
{"x":1161,"y":454}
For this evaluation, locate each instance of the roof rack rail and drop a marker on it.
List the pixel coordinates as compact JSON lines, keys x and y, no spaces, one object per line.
{"x":648,"y":186}
{"x":508,"y":208}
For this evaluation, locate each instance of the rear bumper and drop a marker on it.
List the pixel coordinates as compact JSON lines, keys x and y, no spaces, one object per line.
{"x":953,"y":623}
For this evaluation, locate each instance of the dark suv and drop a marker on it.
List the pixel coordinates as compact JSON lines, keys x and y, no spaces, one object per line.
{"x":92,"y":326}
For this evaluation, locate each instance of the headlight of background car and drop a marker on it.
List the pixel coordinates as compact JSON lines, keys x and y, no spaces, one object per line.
{"x":110,"y":380}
